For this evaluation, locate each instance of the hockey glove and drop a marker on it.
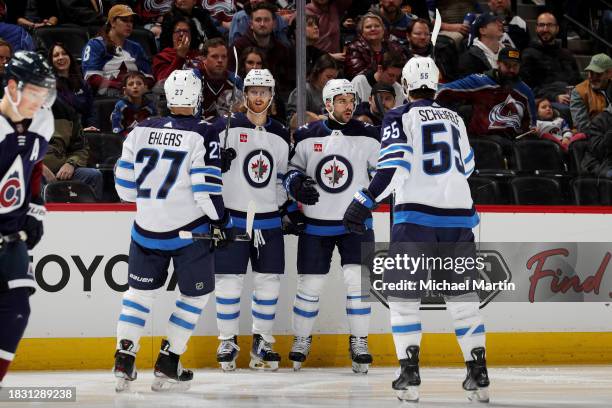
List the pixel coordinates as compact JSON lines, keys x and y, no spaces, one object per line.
{"x":301,"y":187}
{"x":222,"y":231}
{"x":34,"y":223}
{"x":358,"y":211}
{"x":227,"y":155}
{"x":292,"y":219}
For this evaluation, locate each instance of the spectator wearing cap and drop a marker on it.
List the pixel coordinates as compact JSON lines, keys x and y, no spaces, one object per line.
{"x":366,"y":52}
{"x":549,"y":69}
{"x":481,"y":56}
{"x":502,"y":105}
{"x":388,"y":72}
{"x":381,"y":100}
{"x":516,"y":33}
{"x":203,"y":26}
{"x":110,"y":56}
{"x":83,"y":13}
{"x":396,"y":21}
{"x":589,"y":98}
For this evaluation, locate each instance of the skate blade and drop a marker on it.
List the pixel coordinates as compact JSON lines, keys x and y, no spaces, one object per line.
{"x":165,"y":384}
{"x":410,"y":394}
{"x":297,"y":365}
{"x":359,"y":368}
{"x":478,"y":395}
{"x":228,"y":366}
{"x":122,"y":384}
{"x":260,"y":365}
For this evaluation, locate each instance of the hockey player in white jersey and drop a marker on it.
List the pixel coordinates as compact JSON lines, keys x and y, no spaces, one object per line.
{"x":425,"y":159}
{"x":170,"y":167}
{"x":254,"y":172}
{"x":338,"y":153}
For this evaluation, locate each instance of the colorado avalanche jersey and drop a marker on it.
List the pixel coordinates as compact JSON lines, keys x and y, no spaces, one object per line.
{"x":22,"y":145}
{"x":170,"y":167}
{"x":340,"y":159}
{"x":256,"y":174}
{"x":426,"y":158}
{"x":497,"y":110}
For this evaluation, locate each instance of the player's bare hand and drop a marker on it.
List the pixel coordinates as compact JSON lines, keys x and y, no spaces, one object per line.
{"x":65,"y":172}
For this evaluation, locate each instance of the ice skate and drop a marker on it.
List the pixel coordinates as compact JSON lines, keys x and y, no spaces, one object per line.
{"x":407,"y":384}
{"x":169,"y":373}
{"x":476,"y":383}
{"x":227,"y":352}
{"x":262,"y":355}
{"x":125,"y":367}
{"x":361,"y":357}
{"x":299,"y":350}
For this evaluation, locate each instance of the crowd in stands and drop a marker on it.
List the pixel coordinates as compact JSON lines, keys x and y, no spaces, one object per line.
{"x":508,"y":83}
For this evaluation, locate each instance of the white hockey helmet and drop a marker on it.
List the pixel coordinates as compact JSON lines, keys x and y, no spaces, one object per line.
{"x":335,"y":87}
{"x":183,"y":89}
{"x":259,"y":77}
{"x":420,"y":73}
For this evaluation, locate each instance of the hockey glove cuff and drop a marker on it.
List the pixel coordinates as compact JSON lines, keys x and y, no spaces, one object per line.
{"x":292,"y":219}
{"x":34,"y":223}
{"x":358,"y":211}
{"x":301,"y":187}
{"x":222,"y":231}
{"x":227,"y":155}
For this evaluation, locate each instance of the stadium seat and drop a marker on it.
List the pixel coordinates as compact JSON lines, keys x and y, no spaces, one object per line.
{"x":484,"y":190}
{"x":68,"y":191}
{"x":539,"y":157}
{"x":104,"y":149}
{"x":576,"y":153}
{"x":146,"y":39}
{"x":489,"y":156}
{"x":592,"y":191}
{"x":74,"y":38}
{"x":536,"y":190}
{"x":103,"y":107}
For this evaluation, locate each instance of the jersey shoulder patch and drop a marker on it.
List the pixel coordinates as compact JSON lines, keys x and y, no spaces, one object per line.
{"x":12,"y":187}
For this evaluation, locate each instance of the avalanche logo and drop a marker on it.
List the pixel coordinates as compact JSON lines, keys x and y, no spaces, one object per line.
{"x":507,"y":114}
{"x":12,"y":188}
{"x":334,"y":174}
{"x":220,"y":9}
{"x":258,"y":168}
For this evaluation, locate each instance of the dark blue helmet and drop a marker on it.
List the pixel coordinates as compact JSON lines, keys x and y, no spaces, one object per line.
{"x":28,"y":67}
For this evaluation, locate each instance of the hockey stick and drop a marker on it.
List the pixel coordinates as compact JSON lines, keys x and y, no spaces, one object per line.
{"x":522,"y":135}
{"x":232,"y":101}
{"x":14,"y":237}
{"x":247,"y":236}
{"x":436,"y":30}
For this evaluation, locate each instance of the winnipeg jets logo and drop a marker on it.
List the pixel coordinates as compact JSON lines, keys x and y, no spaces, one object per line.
{"x":12,"y":188}
{"x":258,"y":168}
{"x":507,"y":114}
{"x":334,"y":174}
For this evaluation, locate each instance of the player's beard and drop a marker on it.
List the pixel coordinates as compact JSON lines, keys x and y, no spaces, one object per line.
{"x":261,"y":109}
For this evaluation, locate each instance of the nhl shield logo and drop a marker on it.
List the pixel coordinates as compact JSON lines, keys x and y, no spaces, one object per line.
{"x":258,"y":168}
{"x":334,"y":174}
{"x":12,"y":188}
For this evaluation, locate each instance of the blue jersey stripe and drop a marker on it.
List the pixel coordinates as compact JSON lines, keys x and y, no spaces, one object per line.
{"x":211,"y":171}
{"x":364,"y":311}
{"x":263,"y":316}
{"x":228,"y":316}
{"x":265,"y":302}
{"x":188,"y":308}
{"x":269,"y":223}
{"x":125,"y":165}
{"x":135,"y":306}
{"x":166,"y":244}
{"x":428,"y":220}
{"x":132,"y":319}
{"x":227,"y":301}
{"x":304,"y":313}
{"x":181,"y":323}
{"x":205,"y":188}
{"x":125,"y":183}
{"x":406,"y":328}
{"x":330,"y":230}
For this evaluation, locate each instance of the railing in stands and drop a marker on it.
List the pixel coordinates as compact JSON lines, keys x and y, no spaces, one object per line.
{"x":592,"y":33}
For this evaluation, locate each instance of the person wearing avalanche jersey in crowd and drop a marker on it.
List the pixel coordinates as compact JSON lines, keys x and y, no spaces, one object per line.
{"x":109,"y":57}
{"x":503,"y":106}
{"x":26,"y":125}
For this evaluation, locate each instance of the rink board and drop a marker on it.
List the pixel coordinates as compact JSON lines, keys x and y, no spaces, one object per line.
{"x":74,"y":314}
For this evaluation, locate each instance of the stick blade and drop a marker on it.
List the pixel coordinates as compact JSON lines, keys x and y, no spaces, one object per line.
{"x":251,"y":209}
{"x":436,"y":29}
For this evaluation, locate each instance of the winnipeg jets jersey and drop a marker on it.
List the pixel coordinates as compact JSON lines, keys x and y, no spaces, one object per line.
{"x":257,"y":171}
{"x":22,"y":145}
{"x":170,"y":167}
{"x":425,"y":158}
{"x":340,"y":159}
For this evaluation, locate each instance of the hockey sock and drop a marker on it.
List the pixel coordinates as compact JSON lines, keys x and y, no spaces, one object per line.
{"x":306,"y":305}
{"x":183,"y":321}
{"x":136,"y":306}
{"x":227,"y":292}
{"x":266,"y":287}
{"x":357,"y":311}
{"x":14,"y":314}
{"x":405,"y":325}
{"x":469,"y":327}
